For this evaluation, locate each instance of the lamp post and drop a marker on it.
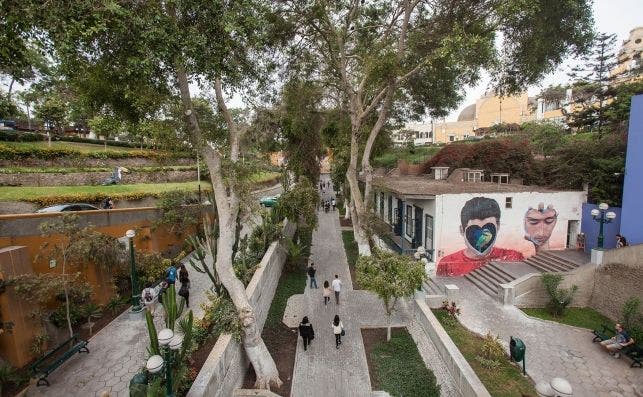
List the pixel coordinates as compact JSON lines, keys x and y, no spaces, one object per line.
{"x":169,"y":343}
{"x":602,"y":216}
{"x":136,"y":299}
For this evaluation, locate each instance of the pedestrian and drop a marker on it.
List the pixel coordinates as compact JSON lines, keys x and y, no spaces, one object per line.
{"x":620,"y":241}
{"x":326,"y":292}
{"x":337,"y":287}
{"x":306,"y":332}
{"x":184,"y":291}
{"x":164,"y":287}
{"x":170,"y":274}
{"x":338,"y":330}
{"x":148,"y":298}
{"x":311,"y":274}
{"x":108,"y":204}
{"x":333,"y":203}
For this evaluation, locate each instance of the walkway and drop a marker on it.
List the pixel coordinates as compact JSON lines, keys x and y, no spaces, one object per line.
{"x":119,"y":350}
{"x":553,"y":349}
{"x":323,"y":370}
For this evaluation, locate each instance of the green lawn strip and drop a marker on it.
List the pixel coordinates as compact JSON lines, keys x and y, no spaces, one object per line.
{"x":506,"y":380}
{"x":290,"y":283}
{"x":32,"y":193}
{"x":69,"y":170}
{"x":264,"y":176}
{"x":352,"y":253}
{"x":417,"y":155}
{"x":583,"y":317}
{"x":80,"y":146}
{"x":399,"y":368}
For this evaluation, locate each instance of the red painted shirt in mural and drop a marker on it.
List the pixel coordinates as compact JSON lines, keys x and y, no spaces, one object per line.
{"x":458,"y":264}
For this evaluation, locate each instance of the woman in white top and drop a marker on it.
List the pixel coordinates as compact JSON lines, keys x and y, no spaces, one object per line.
{"x":338,"y":328}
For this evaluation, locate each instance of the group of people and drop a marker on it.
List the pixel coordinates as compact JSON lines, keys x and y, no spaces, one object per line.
{"x":306,"y":330}
{"x":150,"y":299}
{"x":328,"y":204}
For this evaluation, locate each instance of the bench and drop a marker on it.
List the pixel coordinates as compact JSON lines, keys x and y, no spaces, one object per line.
{"x":47,"y":364}
{"x":634,"y":352}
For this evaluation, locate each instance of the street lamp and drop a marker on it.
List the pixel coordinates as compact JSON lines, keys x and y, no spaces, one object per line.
{"x":602,"y":216}
{"x":136,"y":298}
{"x":169,"y":343}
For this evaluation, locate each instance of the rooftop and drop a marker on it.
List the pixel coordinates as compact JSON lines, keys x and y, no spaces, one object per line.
{"x":423,"y":186}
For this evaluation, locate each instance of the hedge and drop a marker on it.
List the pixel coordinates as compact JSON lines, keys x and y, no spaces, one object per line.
{"x":92,"y":197}
{"x":16,"y":153}
{"x":67,"y":170}
{"x":12,"y":136}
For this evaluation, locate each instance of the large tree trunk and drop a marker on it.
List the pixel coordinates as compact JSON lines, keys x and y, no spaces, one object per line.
{"x":358,"y":207}
{"x":227,"y":202}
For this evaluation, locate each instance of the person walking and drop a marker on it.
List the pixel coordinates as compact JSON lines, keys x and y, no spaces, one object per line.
{"x":311,"y":274}
{"x":184,"y":278}
{"x":326,"y":292}
{"x":333,"y":203}
{"x":337,"y":287}
{"x":306,"y":332}
{"x":338,"y":330}
{"x":620,"y":241}
{"x":170,"y":274}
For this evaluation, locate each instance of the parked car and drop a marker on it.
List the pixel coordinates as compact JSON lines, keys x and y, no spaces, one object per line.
{"x":269,"y":201}
{"x":68,"y":207}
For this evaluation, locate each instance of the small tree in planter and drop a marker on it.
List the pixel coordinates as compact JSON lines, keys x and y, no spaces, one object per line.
{"x":391,"y":277}
{"x":559,"y":298}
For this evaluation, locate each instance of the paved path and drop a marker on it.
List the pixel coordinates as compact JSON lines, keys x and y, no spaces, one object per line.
{"x":323,"y":370}
{"x":553,"y":349}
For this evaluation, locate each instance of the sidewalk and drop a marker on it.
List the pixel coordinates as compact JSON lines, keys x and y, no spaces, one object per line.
{"x":553,"y":349}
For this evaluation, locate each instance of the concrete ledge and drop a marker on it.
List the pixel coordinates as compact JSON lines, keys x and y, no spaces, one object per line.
{"x":253,"y":392}
{"x":466,"y":380}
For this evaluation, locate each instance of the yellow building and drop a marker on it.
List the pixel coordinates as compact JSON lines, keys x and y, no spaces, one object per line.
{"x":629,"y":65}
{"x":492,"y":110}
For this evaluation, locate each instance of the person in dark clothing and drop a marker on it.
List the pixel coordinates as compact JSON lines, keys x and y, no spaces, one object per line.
{"x":306,"y":331}
{"x":311,"y":274}
{"x":338,"y":328}
{"x":184,"y":278}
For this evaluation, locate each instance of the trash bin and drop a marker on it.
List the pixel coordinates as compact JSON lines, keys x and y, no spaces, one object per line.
{"x":517,"y":351}
{"x":138,"y":385}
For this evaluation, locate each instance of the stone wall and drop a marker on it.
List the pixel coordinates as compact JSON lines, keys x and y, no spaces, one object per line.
{"x":93,"y":178}
{"x":529,"y":290}
{"x":225,"y":367}
{"x":631,"y":255}
{"x":614,"y":285}
{"x":465,"y":379}
{"x":95,"y":162}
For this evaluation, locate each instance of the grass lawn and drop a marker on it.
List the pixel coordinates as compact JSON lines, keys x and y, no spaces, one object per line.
{"x":264,"y":176}
{"x":583,"y":317}
{"x":417,"y":155}
{"x":23,"y":193}
{"x":81,"y":147}
{"x":290,"y":283}
{"x":506,"y":380}
{"x":399,"y":368}
{"x":350,"y":247}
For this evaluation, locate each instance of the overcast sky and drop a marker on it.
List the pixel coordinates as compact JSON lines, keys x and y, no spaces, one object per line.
{"x":610,"y":16}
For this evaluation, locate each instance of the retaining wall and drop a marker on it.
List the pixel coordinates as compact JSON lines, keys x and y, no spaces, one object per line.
{"x":94,"y":178}
{"x":466,"y":380}
{"x":614,"y":285}
{"x":226,"y":366}
{"x":529,"y":290}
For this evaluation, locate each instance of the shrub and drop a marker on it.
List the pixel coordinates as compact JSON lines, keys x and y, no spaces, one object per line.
{"x":453,"y":312}
{"x":632,"y":319}
{"x":559,"y":298}
{"x":13,"y":136}
{"x":491,"y":348}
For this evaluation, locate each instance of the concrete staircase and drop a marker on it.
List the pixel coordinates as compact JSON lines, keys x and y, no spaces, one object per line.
{"x":546,"y":262}
{"x":488,"y":278}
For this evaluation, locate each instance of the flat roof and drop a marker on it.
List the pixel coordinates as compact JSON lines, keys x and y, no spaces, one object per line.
{"x":422,"y":186}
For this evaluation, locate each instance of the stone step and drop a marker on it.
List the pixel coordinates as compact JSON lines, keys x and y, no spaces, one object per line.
{"x":432,"y":288}
{"x":498,"y":278}
{"x":495,"y":267}
{"x":544,"y":266}
{"x":555,"y":258}
{"x":482,"y":284}
{"x":564,"y":266}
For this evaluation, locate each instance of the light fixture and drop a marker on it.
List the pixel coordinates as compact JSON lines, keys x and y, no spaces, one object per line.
{"x":164,"y":336}
{"x":595,"y":212}
{"x":154,"y":364}
{"x":176,"y":342}
{"x":603,"y":206}
{"x":610,"y":215}
{"x":130,"y":233}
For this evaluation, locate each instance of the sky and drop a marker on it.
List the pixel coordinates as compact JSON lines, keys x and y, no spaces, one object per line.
{"x":610,"y":16}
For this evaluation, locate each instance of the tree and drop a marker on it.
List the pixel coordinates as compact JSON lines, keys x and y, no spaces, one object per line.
{"x":415,"y":56}
{"x":617,"y":111}
{"x":592,"y":78}
{"x":106,"y":126}
{"x":391,"y":277}
{"x":545,"y":136}
{"x":53,"y":112}
{"x":161,"y":48}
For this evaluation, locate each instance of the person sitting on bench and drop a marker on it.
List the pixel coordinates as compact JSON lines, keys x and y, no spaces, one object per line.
{"x":618,"y":342}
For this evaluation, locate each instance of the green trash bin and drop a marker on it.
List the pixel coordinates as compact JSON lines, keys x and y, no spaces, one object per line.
{"x":517,"y":350}
{"x":138,"y":385}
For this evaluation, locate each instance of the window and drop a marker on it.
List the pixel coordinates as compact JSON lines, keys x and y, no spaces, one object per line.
{"x":382,"y":205}
{"x":508,"y":202}
{"x":441,"y":173}
{"x":451,"y":138}
{"x":408,"y":220}
{"x":428,"y":235}
{"x":474,"y":176}
{"x":390,"y":210}
{"x":500,"y":178}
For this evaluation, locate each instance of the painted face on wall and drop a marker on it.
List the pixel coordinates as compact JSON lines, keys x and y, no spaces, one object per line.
{"x":539,"y":224}
{"x":480,"y":235}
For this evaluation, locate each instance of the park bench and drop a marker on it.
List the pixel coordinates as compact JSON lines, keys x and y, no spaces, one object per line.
{"x":52,"y":359}
{"x":634,"y":352}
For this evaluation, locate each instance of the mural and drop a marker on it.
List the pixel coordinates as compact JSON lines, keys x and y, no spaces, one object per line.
{"x":480,"y":230}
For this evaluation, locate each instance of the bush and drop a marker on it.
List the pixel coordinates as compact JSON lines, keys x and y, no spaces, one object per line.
{"x":632,"y":319}
{"x":32,"y":151}
{"x":491,"y":351}
{"x":559,"y":298}
{"x":13,"y":136}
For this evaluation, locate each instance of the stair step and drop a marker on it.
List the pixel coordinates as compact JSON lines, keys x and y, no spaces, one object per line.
{"x":504,"y":276}
{"x":432,"y":288}
{"x":482,"y":286}
{"x":552,"y":264}
{"x":488,"y":276}
{"x":542,"y":267}
{"x":552,"y":256}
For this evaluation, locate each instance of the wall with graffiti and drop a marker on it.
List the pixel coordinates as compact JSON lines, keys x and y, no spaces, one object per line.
{"x":502,"y":227}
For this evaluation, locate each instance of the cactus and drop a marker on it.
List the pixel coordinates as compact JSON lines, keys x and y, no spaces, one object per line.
{"x":204,"y":246}
{"x":151,"y":329}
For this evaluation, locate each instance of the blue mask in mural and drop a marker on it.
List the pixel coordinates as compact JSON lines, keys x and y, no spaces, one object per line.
{"x":481,"y":239}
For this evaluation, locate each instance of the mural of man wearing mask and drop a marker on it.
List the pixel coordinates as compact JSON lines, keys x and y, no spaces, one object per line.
{"x":479,"y":225}
{"x":539,"y":225}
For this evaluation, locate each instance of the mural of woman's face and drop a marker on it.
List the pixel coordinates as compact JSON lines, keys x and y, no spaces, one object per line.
{"x":539,"y":224}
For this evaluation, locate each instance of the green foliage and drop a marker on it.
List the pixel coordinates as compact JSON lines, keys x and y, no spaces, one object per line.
{"x":632,"y":318}
{"x":583,"y":317}
{"x":105,"y":126}
{"x":151,"y":329}
{"x":151,"y":266}
{"x":546,"y":137}
{"x":413,"y":155}
{"x":299,"y":204}
{"x":33,"y":151}
{"x":38,"y":343}
{"x":291,"y":283}
{"x":559,"y":298}
{"x":8,"y":107}
{"x":176,"y":214}
{"x":390,"y":276}
{"x":221,"y":313}
{"x":617,"y":112}
{"x":491,"y":348}
{"x":400,"y":370}
{"x":70,"y":170}
{"x":296,"y":255}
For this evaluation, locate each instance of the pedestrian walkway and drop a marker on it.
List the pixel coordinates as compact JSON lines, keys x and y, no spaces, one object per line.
{"x":553,"y":349}
{"x":323,"y":370}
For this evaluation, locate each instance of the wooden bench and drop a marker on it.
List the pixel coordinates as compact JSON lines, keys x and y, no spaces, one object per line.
{"x":48,"y":363}
{"x":634,"y":352}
